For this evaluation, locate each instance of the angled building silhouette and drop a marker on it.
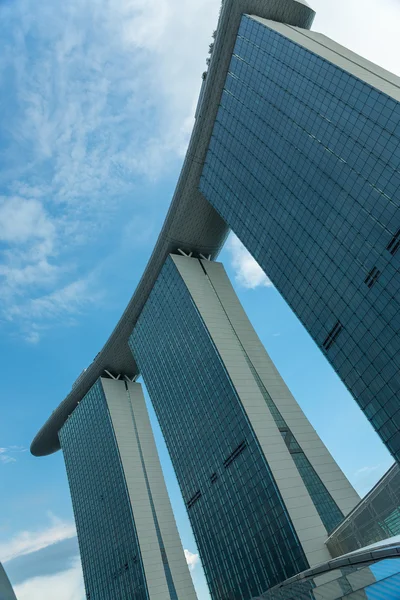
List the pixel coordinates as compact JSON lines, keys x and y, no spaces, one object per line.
{"x":261,"y":489}
{"x":6,"y":591}
{"x":128,"y":540}
{"x":296,"y":148}
{"x":303,"y":165}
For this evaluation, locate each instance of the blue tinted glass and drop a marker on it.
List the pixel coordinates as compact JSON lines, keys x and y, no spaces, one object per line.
{"x":385,"y":568}
{"x":111,"y":560}
{"x":328,"y":510}
{"x":242,"y":529}
{"x":353,"y":582}
{"x":303,"y":166}
{"x":389,"y":589}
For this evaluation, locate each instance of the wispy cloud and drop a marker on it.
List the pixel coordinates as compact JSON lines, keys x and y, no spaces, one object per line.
{"x":47,"y":561}
{"x":8,"y":455}
{"x":67,"y":300}
{"x":366,"y":471}
{"x":366,"y":477}
{"x":5,"y":458}
{"x":247,"y":272}
{"x":36,"y":314}
{"x":26,"y":542}
{"x":66,"y":585}
{"x":32,"y":337}
{"x":22,"y":220}
{"x":100,"y":97}
{"x":191,"y":559}
{"x":27,"y":246}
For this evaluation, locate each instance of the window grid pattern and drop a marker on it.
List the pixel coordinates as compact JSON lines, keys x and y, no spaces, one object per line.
{"x":242,"y":529}
{"x":164,"y":557}
{"x":304,"y":166}
{"x":377,"y":518}
{"x":110,"y":554}
{"x":328,"y":510}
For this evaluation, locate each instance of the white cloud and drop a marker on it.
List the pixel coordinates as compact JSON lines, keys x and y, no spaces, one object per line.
{"x":368,"y":27}
{"x":32,"y":337}
{"x":191,"y":559}
{"x":105,"y":96}
{"x":5,"y":458}
{"x":28,"y":235}
{"x":26,"y":542}
{"x":67,"y":300}
{"x":365,"y":471}
{"x":22,"y":220}
{"x":107,"y":102}
{"x":36,"y":314}
{"x":247,"y":272}
{"x":7,"y":455}
{"x":67,"y":585}
{"x":175,"y":38}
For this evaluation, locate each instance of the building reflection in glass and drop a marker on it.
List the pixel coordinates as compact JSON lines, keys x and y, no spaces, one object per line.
{"x":376,"y":579}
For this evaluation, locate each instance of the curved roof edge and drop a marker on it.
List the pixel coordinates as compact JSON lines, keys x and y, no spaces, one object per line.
{"x":389,"y":548}
{"x":191,"y":223}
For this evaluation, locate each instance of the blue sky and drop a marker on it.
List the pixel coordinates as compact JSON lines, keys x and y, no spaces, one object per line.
{"x":97,"y":106}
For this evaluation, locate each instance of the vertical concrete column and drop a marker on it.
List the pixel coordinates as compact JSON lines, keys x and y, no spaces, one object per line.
{"x":160,"y":545}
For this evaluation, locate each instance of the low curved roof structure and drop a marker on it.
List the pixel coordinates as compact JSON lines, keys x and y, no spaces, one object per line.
{"x":370,"y":572}
{"x":191,"y":223}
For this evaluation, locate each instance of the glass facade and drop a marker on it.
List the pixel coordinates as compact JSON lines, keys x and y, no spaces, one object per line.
{"x":376,"y":518}
{"x":328,"y":510}
{"x":165,"y":562}
{"x":245,"y":537}
{"x":374,"y":580}
{"x":303,"y":166}
{"x":110,"y":554}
